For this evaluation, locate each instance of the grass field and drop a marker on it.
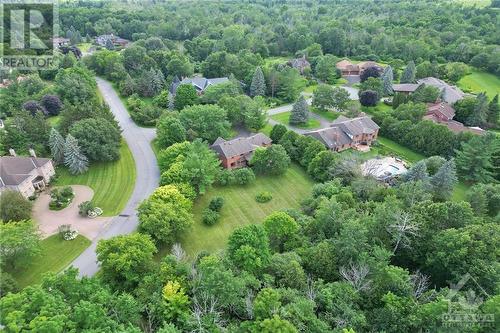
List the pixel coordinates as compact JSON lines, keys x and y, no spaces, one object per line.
{"x":479,"y":81}
{"x":285,"y":116}
{"x":112,"y":182}
{"x":328,"y":115}
{"x":400,"y":150}
{"x":84,"y":47}
{"x":240,"y":207}
{"x":56,"y":254}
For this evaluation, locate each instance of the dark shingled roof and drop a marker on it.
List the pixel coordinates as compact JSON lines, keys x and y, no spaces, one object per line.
{"x":343,"y":129}
{"x":14,"y":170}
{"x":405,"y":87}
{"x":240,"y":146}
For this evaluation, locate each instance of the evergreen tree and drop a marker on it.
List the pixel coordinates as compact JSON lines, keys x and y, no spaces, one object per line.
{"x":387,"y":78}
{"x":300,"y":112}
{"x":475,"y":159}
{"x":258,"y":86}
{"x":480,"y":113}
{"x":398,"y":99}
{"x":109,"y":44}
{"x":56,"y":144}
{"x":409,"y":73}
{"x":444,"y":180}
{"x":73,"y":158}
{"x":493,"y":111}
{"x":418,"y":172}
{"x":157,"y":81}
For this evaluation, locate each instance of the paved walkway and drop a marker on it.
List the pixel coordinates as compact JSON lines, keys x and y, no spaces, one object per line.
{"x":50,"y":220}
{"x":148,"y":176}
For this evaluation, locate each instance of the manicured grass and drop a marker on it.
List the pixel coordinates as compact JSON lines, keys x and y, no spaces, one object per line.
{"x":285,"y":116}
{"x":84,"y":47}
{"x":479,"y":81}
{"x":328,"y":115}
{"x":275,"y":60}
{"x":112,"y":182}
{"x":400,"y":150}
{"x":240,"y":208}
{"x":267,"y":129}
{"x":56,"y":254}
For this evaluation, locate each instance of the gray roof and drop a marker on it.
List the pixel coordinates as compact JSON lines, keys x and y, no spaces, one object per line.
{"x":405,"y":87}
{"x":450,"y":94}
{"x":356,"y":126}
{"x":14,"y":170}
{"x":201,"y":83}
{"x":343,"y":129}
{"x":240,"y":146}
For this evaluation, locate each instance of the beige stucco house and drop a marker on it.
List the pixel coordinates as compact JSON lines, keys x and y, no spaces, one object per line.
{"x":25,"y":174}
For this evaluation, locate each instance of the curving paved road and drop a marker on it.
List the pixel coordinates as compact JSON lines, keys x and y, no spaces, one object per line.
{"x":148,"y":176}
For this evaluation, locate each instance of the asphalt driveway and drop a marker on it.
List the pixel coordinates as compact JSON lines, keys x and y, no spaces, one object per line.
{"x":148,"y":176}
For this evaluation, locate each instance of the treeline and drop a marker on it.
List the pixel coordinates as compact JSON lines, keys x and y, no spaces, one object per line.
{"x":419,"y":31}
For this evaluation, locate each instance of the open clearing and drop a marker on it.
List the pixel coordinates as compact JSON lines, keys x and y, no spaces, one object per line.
{"x":240,"y":207}
{"x":478,"y":81}
{"x":112,"y":182}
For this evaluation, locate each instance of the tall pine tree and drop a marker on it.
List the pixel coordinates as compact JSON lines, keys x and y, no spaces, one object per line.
{"x":444,"y":180}
{"x":258,"y":86}
{"x":417,"y":172}
{"x":475,"y":159}
{"x":409,"y":73}
{"x":76,"y":161}
{"x":300,"y":112}
{"x":56,"y":144}
{"x":493,"y":111}
{"x":387,"y":78}
{"x":479,"y":115}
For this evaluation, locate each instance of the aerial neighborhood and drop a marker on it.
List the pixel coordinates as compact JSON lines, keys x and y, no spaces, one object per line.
{"x":255,"y":166}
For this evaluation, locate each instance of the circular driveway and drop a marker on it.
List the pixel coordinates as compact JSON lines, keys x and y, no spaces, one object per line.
{"x":49,"y":220}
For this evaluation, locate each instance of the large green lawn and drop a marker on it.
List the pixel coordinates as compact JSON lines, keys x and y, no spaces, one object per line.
{"x":285,"y":116}
{"x":56,"y":254}
{"x":400,"y":150}
{"x":327,"y":114}
{"x":112,"y":182}
{"x":479,"y":81}
{"x":240,"y":207}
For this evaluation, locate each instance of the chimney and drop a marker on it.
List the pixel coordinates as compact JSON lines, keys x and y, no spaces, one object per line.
{"x":12,"y":152}
{"x":32,"y":152}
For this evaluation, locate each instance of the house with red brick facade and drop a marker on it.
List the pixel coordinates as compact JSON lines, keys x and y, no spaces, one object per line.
{"x":238,"y":152}
{"x":345,"y":133}
{"x":443,"y":113}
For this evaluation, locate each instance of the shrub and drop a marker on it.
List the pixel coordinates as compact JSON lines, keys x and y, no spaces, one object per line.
{"x":210,"y":217}
{"x":216,"y":204}
{"x":243,"y":176}
{"x":85,"y":207}
{"x":224,"y":178}
{"x":61,"y":198}
{"x":263,"y":197}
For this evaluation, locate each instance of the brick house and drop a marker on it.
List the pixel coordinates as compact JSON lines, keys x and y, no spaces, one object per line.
{"x":443,"y":113}
{"x":25,"y":174}
{"x":348,"y":68}
{"x":345,"y":133}
{"x":238,"y":152}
